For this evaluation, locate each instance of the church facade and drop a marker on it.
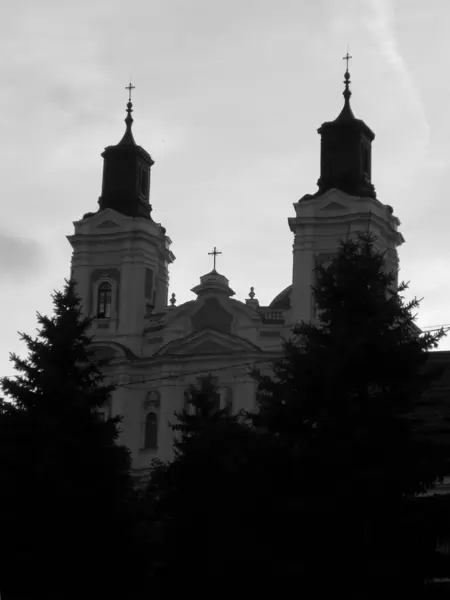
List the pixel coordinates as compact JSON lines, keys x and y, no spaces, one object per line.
{"x":153,"y":349}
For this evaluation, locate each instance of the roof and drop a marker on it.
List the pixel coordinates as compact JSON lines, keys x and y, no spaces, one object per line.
{"x":283,"y":300}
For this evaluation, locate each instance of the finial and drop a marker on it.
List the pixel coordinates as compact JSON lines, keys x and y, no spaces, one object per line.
{"x":130,"y":87}
{"x":347,"y":92}
{"x":173,"y":300}
{"x":214,"y":253}
{"x":347,"y":57}
{"x":128,"y":135}
{"x":251,"y":301}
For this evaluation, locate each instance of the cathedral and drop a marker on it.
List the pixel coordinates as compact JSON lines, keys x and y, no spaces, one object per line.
{"x":153,"y":349}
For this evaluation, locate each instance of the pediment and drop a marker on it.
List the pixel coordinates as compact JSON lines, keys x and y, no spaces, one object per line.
{"x":104,"y":219}
{"x":106,"y":351}
{"x":334,"y":201}
{"x":327,"y":204}
{"x":209,"y":342}
{"x":334,"y":206}
{"x":211,"y":347}
{"x":108,"y":224}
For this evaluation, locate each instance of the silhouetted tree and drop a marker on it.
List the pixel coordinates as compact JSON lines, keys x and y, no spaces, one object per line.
{"x":66,"y":503}
{"x":206,"y":504}
{"x":341,"y":402}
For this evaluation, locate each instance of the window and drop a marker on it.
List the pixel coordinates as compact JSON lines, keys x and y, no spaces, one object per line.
{"x":150,"y":419}
{"x":144,"y":182}
{"x":365,"y":159}
{"x":151,"y":431}
{"x":104,"y":301}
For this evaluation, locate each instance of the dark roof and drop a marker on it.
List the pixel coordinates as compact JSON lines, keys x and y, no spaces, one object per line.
{"x":283,"y":300}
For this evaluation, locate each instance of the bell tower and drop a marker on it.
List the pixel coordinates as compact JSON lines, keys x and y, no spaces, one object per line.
{"x":120,"y":254}
{"x":344,"y":204}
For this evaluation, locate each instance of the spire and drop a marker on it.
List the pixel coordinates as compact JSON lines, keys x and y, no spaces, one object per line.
{"x":346,"y":112}
{"x":126,"y":173}
{"x":128,"y":138}
{"x":346,"y":150}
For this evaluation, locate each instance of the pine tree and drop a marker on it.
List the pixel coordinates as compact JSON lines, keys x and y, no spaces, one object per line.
{"x":66,"y":502}
{"x":341,"y":401}
{"x":204,"y":503}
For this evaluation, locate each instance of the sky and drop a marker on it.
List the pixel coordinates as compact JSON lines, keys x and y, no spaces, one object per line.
{"x":228,"y":99}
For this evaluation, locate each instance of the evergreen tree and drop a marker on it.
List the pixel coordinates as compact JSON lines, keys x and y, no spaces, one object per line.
{"x":342,"y":402}
{"x":204,"y":504}
{"x":66,"y":502}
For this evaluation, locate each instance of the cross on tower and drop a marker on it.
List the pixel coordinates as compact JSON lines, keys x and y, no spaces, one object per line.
{"x":214,"y":253}
{"x":347,"y":57}
{"x":130,"y":87}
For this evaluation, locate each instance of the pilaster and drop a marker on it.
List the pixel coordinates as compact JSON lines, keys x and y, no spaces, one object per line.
{"x":302,"y":279}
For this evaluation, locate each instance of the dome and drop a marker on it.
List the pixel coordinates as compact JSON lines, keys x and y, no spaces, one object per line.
{"x":213,"y":282}
{"x":283,"y":300}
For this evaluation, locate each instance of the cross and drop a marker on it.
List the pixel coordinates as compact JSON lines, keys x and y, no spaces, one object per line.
{"x":347,"y":57}
{"x":214,"y":253}
{"x":130,"y":87}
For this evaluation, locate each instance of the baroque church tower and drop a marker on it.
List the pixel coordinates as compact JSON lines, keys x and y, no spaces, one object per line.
{"x":153,"y":349}
{"x":120,"y":255}
{"x":344,"y":204}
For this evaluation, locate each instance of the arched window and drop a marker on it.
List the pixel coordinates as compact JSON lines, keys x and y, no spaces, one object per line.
{"x":104,"y":301}
{"x":151,"y":431}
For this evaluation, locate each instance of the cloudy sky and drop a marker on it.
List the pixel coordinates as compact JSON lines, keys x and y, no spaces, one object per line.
{"x":228,"y":99}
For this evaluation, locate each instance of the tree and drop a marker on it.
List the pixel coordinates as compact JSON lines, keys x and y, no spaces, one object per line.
{"x":205,"y":504}
{"x":66,"y":502}
{"x":342,"y":402}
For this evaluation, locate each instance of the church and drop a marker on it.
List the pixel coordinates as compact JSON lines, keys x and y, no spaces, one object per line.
{"x":153,"y":349}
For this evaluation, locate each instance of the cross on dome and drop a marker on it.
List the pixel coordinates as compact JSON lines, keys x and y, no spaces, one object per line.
{"x":214,"y":253}
{"x":128,"y":138}
{"x":130,"y":87}
{"x":347,"y":92}
{"x":347,"y":57}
